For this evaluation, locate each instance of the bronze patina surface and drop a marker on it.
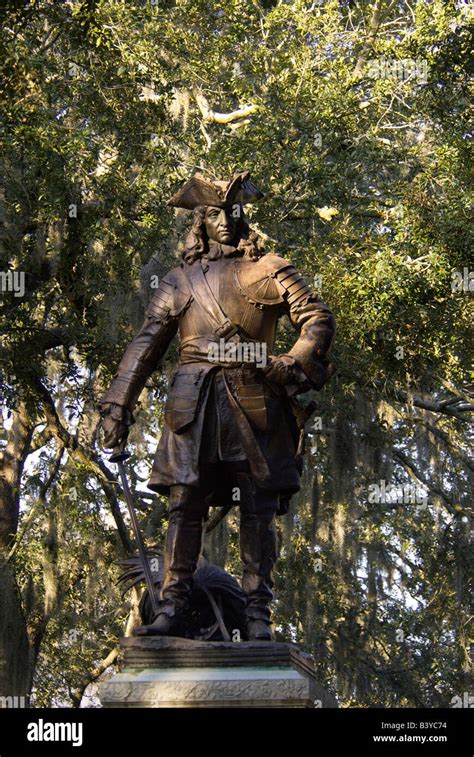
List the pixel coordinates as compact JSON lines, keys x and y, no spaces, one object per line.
{"x":233,"y":427}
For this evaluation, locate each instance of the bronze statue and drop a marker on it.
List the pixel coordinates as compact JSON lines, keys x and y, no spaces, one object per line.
{"x":233,"y":428}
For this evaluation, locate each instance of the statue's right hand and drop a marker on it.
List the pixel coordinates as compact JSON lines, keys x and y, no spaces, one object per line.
{"x":115,"y":424}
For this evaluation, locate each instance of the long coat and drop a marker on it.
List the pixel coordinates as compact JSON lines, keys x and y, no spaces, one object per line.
{"x":219,"y":406}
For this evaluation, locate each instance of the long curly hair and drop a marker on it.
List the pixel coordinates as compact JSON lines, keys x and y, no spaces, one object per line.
{"x":196,"y":243}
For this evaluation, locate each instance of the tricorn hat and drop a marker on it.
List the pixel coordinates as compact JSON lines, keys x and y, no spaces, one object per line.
{"x":220,"y":194}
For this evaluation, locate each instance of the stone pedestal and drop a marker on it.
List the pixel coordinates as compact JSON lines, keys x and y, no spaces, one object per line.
{"x":171,"y":672}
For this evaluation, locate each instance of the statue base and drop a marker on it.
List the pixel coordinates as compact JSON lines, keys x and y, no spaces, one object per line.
{"x":172,"y":672}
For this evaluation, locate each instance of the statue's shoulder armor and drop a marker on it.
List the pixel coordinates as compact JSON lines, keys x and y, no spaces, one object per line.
{"x":270,"y":280}
{"x":171,"y":298}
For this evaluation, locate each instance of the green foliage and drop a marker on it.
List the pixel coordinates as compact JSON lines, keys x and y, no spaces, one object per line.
{"x":107,"y":108}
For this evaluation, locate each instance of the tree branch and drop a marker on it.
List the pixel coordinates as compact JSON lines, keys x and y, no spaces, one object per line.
{"x":77,"y":693}
{"x":105,"y":477}
{"x":39,"y":502}
{"x":452,"y":406}
{"x":209,"y":114}
{"x":415,"y":474}
{"x":378,"y":15}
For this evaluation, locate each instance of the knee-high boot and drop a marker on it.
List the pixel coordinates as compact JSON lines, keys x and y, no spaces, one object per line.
{"x":258,"y":549}
{"x":182,"y":549}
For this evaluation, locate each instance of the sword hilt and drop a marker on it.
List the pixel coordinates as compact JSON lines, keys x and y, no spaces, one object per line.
{"x":119,"y":454}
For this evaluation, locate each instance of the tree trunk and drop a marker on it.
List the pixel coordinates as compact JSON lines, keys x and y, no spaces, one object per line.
{"x":15,"y":659}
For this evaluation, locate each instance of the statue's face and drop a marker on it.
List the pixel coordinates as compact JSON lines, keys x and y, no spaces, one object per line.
{"x":221,"y":226}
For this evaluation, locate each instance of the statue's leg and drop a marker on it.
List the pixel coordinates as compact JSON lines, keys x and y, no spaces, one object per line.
{"x":258,"y":549}
{"x":187,"y":511}
{"x":182,"y":547}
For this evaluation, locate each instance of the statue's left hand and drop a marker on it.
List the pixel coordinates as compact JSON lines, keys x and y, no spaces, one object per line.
{"x":286,"y":371}
{"x":280,"y":369}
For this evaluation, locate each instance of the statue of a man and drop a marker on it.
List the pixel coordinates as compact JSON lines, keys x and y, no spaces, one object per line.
{"x":231,"y":433}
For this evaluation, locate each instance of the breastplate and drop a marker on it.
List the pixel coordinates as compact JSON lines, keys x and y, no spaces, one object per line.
{"x":255,"y":321}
